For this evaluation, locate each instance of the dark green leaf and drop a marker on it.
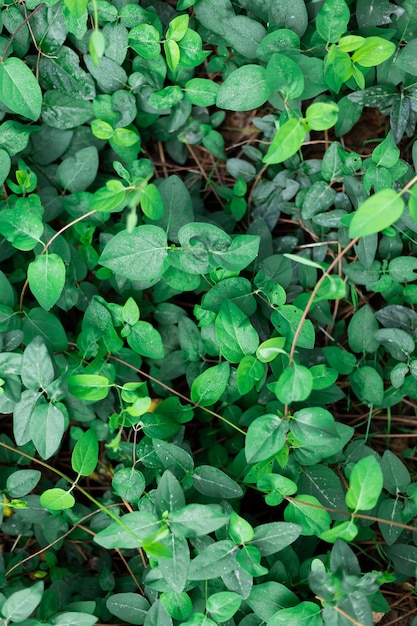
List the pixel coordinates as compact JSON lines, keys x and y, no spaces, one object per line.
{"x":19,"y":88}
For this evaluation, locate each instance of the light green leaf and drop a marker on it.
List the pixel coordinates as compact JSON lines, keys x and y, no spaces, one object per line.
{"x":19,"y":89}
{"x":46,"y":276}
{"x":244,"y":89}
{"x":313,"y":519}
{"x":57,"y":499}
{"x":374,"y":51}
{"x":85,"y":454}
{"x":286,"y":142}
{"x":377,"y":213}
{"x":76,"y":7}
{"x":129,"y":532}
{"x":5,"y":165}
{"x":365,"y":484}
{"x":89,"y":386}
{"x":322,"y":115}
{"x":151,"y":202}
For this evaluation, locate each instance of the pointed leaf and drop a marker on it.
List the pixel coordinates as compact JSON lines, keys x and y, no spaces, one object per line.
{"x":46,"y":276}
{"x":19,"y":89}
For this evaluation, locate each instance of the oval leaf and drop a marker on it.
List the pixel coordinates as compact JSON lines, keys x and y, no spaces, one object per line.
{"x":244,"y":89}
{"x":376,"y":213}
{"x":46,"y":276}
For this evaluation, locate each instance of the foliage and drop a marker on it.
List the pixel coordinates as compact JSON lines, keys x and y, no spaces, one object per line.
{"x":185,"y":326}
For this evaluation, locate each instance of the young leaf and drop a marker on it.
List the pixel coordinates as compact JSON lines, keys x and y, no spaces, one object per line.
{"x":321,"y":115}
{"x":46,"y":276}
{"x":76,"y":7}
{"x":377,"y":213}
{"x":57,"y":499}
{"x":89,"y":386}
{"x":85,"y":454}
{"x":365,"y":484}
{"x":374,"y":51}
{"x":288,"y":139}
{"x":244,"y":89}
{"x":20,"y":90}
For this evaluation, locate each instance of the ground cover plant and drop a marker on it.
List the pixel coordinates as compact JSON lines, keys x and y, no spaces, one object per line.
{"x":207,"y":312}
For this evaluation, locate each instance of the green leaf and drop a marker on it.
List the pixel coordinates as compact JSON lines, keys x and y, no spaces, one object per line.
{"x":89,"y":386}
{"x":361,"y":331}
{"x":286,"y":142}
{"x":294,"y":384}
{"x":57,"y":499}
{"x":22,"y":482}
{"x":75,"y":618}
{"x":234,"y":333}
{"x":269,"y":349}
{"x":209,"y":386}
{"x":365,"y":484}
{"x":5,"y":165}
{"x":129,"y":483}
{"x":284,"y":75}
{"x":21,"y":227}
{"x":223,"y":605}
{"x":177,"y":27}
{"x":368,"y":385}
{"x":321,"y":115}
{"x":84,"y":457}
{"x":290,"y":14}
{"x":249,"y":372}
{"x":244,"y":89}
{"x":37,"y":370}
{"x":129,"y":532}
{"x":151,"y":202}
{"x":216,"y":560}
{"x":275,"y":536}
{"x":19,"y":89}
{"x":267,"y":598}
{"x":145,"y":40}
{"x":175,"y":568}
{"x":286,"y":320}
{"x":377,"y":213}
{"x":265,"y":437}
{"x":63,"y":73}
{"x":128,"y":607}
{"x":77,"y":172}
{"x":374,"y":51}
{"x":201,"y":92}
{"x":21,"y":604}
{"x":304,"y":613}
{"x":46,"y":276}
{"x":395,"y":473}
{"x":212,"y":482}
{"x":332,"y":20}
{"x":144,"y":339}
{"x":47,"y":427}
{"x":178,"y":605}
{"x":138,"y":255}
{"x":307,"y":511}
{"x":76,"y":7}
{"x":195,"y":520}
